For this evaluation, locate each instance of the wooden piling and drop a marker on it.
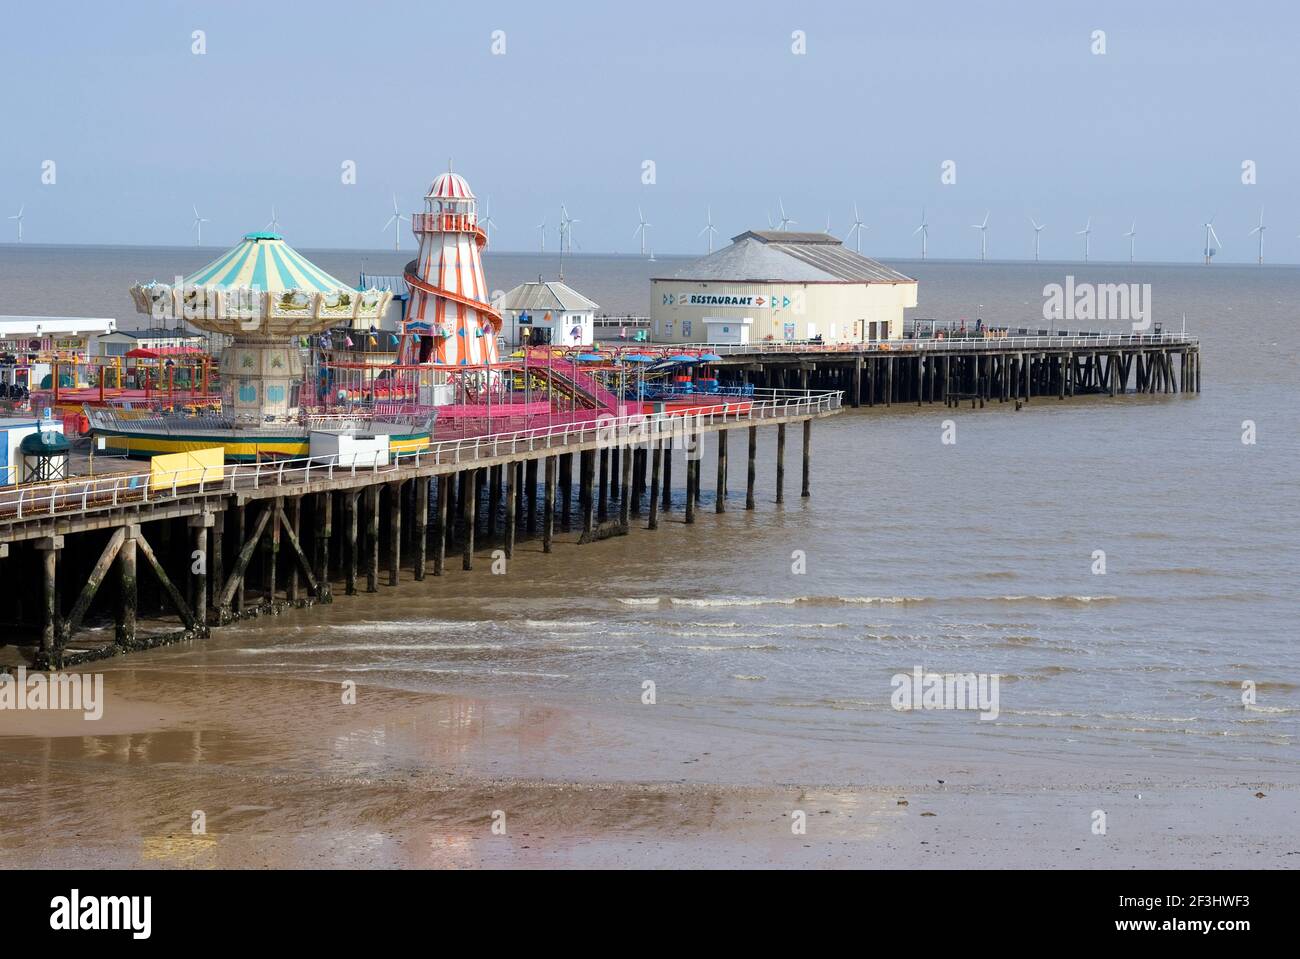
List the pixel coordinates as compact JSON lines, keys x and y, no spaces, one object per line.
{"x":692,"y":478}
{"x":751,"y":467}
{"x":394,"y":531}
{"x":548,"y":504}
{"x":372,"y":539}
{"x":440,"y":525}
{"x":807,"y":458}
{"x":420,"y":520}
{"x":323,"y":520}
{"x":655,"y":467}
{"x":127,"y":598}
{"x":720,"y":498}
{"x":512,"y":506}
{"x":470,"y":479}
{"x":780,"y":463}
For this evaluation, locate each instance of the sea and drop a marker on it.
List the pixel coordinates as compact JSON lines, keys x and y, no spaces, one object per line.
{"x":1127,"y":567}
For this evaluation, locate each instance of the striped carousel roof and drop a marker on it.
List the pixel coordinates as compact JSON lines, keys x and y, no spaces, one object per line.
{"x":265,"y":261}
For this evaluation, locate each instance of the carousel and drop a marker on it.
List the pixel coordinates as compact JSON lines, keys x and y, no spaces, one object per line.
{"x":269,"y":302}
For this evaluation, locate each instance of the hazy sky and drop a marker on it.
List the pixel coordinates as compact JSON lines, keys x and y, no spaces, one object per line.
{"x":1156,"y":129}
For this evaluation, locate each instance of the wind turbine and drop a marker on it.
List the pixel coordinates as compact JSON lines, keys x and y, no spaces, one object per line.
{"x":1132,"y":239}
{"x":19,"y":217}
{"x":198,"y":226}
{"x":566,"y":229}
{"x":642,"y":229}
{"x":1209,"y":232}
{"x":395,"y":221}
{"x":924,"y":230}
{"x":827,"y":231}
{"x":984,"y":235}
{"x":1260,"y":230}
{"x":1038,"y":230}
{"x":274,"y":225}
{"x":785,"y":220}
{"x":487,"y":222}
{"x":855,"y":231}
{"x":709,"y":228}
{"x":542,"y":226}
{"x":1086,"y":233}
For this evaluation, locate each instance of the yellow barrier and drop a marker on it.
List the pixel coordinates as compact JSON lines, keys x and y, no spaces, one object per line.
{"x":187,"y":469}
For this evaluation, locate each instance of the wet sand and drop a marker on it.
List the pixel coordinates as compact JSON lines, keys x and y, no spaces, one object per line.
{"x":288,"y":776}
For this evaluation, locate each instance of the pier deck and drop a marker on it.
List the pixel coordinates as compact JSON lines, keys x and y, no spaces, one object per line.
{"x":981,"y":368}
{"x":266,"y":535}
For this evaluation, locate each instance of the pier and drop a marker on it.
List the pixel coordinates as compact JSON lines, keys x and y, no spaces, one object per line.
{"x":189,"y":552}
{"x":980,"y":369}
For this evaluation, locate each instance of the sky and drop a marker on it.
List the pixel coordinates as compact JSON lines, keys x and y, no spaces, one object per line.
{"x":740,"y":107}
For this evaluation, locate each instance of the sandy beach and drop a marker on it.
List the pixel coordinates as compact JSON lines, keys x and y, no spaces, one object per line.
{"x":286,"y":775}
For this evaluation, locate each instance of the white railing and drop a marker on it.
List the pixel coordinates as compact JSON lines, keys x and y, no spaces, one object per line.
{"x":936,"y":345}
{"x":88,"y":494}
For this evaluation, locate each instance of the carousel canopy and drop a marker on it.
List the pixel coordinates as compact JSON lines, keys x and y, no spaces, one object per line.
{"x":265,"y":261}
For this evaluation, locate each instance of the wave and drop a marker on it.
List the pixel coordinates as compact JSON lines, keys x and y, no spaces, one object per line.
{"x":1065,"y":599}
{"x":408,"y":626}
{"x":368,"y":648}
{"x":645,"y":601}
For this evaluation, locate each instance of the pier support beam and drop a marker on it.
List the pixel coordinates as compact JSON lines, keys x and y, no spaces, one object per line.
{"x":470,"y":479}
{"x":548,"y":504}
{"x":654,"y":484}
{"x":270,"y":554}
{"x":720,"y":500}
{"x":603,"y":509}
{"x":587,"y":492}
{"x":625,"y":487}
{"x":807,"y":459}
{"x":692,"y":480}
{"x":49,"y":547}
{"x":440,"y":526}
{"x":324,"y":530}
{"x":128,"y":597}
{"x":668,"y":475}
{"x":101,"y":569}
{"x":420,"y":520}
{"x":530,"y":476}
{"x":351,"y":548}
{"x":512,"y":503}
{"x":566,"y":491}
{"x":394,"y":531}
{"x":292,"y":518}
{"x":372,"y":539}
{"x":751,"y":468}
{"x":780,"y":463}
{"x":198,"y":580}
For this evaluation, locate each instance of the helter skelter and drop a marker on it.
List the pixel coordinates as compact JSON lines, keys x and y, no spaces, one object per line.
{"x":450,"y":320}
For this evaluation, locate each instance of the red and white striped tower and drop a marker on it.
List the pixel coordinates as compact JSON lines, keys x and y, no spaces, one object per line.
{"x":449,"y":308}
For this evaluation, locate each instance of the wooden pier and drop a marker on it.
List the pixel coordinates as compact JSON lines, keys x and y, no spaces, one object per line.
{"x":979,"y":369}
{"x":262,"y":537}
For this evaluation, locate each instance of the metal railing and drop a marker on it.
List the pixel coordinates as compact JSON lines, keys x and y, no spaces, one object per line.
{"x":87,"y":494}
{"x":945,"y":345}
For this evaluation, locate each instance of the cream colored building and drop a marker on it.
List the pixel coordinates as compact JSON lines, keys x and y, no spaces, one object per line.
{"x":774,"y":285}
